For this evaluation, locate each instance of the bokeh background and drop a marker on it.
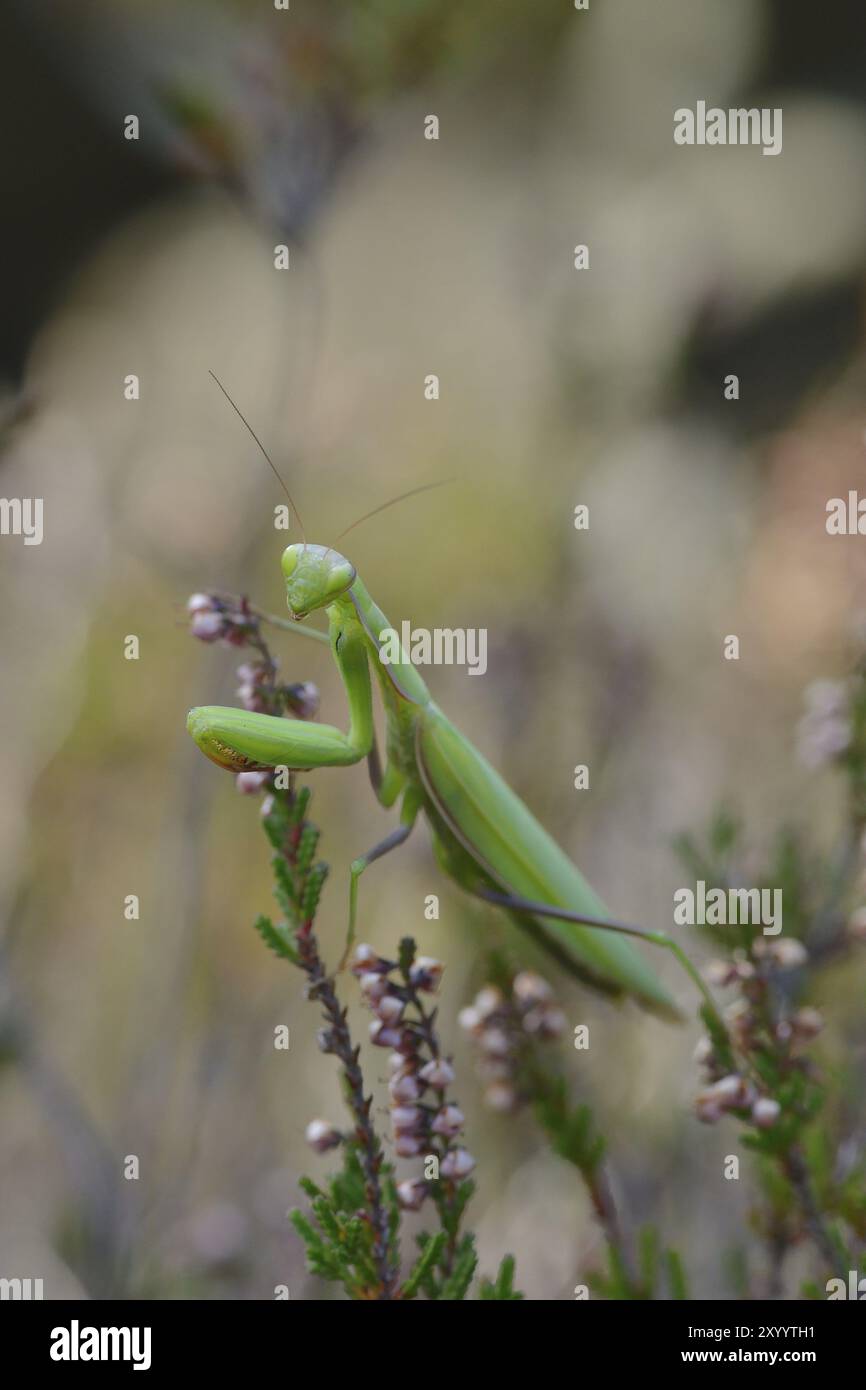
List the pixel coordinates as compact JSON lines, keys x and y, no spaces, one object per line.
{"x":408,"y":257}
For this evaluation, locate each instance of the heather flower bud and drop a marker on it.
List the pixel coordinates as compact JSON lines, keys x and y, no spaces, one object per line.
{"x":381,"y":1035}
{"x":495,"y":1068}
{"x":707,"y":1108}
{"x":449,"y":1121}
{"x":407,"y":1118}
{"x":703,"y":1052}
{"x":740,"y":1020}
{"x":250,"y":783}
{"x":457,"y":1163}
{"x":302,"y":699}
{"x":488,"y":1000}
{"x":411,"y":1194}
{"x":807,"y":1023}
{"x":720,"y":973}
{"x":200,"y":603}
{"x":495,"y":1042}
{"x":374,"y":987}
{"x":530,"y":989}
{"x":389,"y":1009}
{"x":206,"y":626}
{"x":470,"y":1019}
{"x":322,"y":1136}
{"x":501,"y":1096}
{"x":426,"y":973}
{"x":251,"y":699}
{"x":325,"y":1040}
{"x":408,"y":1145}
{"x":786,"y":953}
{"x":730,"y":1092}
{"x":366,"y":959}
{"x":404,"y":1088}
{"x":250,"y":673}
{"x":546,"y":1022}
{"x":765,"y":1112}
{"x":437,"y":1073}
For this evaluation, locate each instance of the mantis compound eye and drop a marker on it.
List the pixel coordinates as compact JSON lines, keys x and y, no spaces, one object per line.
{"x":289,"y":559}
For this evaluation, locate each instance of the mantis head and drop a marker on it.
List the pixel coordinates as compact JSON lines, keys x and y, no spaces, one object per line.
{"x":314,"y":576}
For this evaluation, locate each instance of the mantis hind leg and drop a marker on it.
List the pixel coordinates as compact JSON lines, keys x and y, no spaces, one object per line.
{"x":529,"y":911}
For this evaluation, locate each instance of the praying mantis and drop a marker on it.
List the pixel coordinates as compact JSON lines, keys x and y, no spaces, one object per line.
{"x":484,"y":837}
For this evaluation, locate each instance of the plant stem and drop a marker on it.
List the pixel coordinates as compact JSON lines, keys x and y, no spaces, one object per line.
{"x":796,"y":1171}
{"x":369,"y":1149}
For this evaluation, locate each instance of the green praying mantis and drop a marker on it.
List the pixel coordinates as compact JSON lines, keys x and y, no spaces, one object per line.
{"x":484,"y":837}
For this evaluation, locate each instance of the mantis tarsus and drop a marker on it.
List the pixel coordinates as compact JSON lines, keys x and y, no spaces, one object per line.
{"x":484,"y":837}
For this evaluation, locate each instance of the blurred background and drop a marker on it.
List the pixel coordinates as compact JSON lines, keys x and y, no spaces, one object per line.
{"x":606,"y":387}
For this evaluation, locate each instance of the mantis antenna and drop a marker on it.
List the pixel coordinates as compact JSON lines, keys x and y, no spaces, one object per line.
{"x":267,"y":456}
{"x":413,"y":492}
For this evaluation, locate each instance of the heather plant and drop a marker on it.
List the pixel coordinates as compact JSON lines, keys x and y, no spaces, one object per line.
{"x":758,"y":1057}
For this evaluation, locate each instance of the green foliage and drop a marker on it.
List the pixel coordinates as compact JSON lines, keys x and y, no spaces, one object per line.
{"x":339,"y":1241}
{"x":422,"y":1275}
{"x":277,"y":939}
{"x":659,"y":1272}
{"x":570,"y":1129}
{"x":502,"y":1287}
{"x":298,"y":880}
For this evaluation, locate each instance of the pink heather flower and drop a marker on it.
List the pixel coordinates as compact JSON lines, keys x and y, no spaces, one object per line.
{"x":383,"y":1036}
{"x":494,"y":1068}
{"x":426,"y":973}
{"x":200,"y":603}
{"x":251,"y":699}
{"x":720,"y":973}
{"x":457,"y":1163}
{"x":303,"y":699}
{"x":411,"y":1194}
{"x":449,"y":1121}
{"x":495,"y":1042}
{"x":501,"y":1096}
{"x":730,"y":1092}
{"x":765,"y":1112}
{"x":545,"y":1022}
{"x":703,"y":1050}
{"x":784,"y":952}
{"x":807,"y":1023}
{"x":407,"y":1118}
{"x":206,"y":626}
{"x":488,"y":1000}
{"x":530,"y":989}
{"x":437,"y":1073}
{"x":322,"y":1136}
{"x":404,"y":1088}
{"x":408,"y":1145}
{"x":250,"y":673}
{"x":367,"y":961}
{"x":469,"y":1019}
{"x":374,"y":987}
{"x":389,"y":1009}
{"x":249,"y":783}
